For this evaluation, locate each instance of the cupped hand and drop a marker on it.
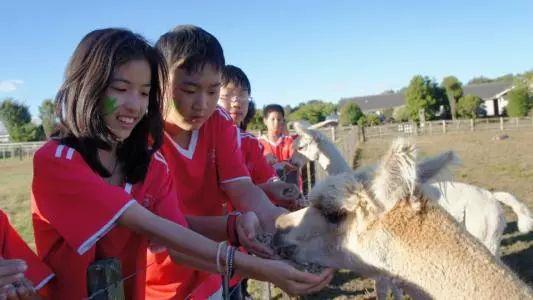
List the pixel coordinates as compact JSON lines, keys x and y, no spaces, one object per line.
{"x":248,"y":228}
{"x":296,"y":282}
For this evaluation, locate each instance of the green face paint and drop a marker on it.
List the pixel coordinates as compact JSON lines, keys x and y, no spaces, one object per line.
{"x":110,"y":105}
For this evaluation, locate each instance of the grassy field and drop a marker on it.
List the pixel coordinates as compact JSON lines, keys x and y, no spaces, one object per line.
{"x":505,"y":165}
{"x":15,"y":188}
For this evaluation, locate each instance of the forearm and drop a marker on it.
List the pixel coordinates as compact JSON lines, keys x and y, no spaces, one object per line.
{"x":245,"y":196}
{"x":193,"y":261}
{"x":167,"y":233}
{"x":211,"y":227}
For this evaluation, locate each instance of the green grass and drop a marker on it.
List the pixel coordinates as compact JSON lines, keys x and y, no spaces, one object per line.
{"x":15,"y":189}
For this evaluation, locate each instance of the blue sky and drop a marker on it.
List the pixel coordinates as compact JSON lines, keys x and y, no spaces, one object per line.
{"x":292,"y":51}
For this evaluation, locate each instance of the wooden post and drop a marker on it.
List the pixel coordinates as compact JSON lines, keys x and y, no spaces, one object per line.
{"x":516,"y":121}
{"x":104,"y":280}
{"x":333,"y":136}
{"x":501,"y":123}
{"x":471,"y":124}
{"x":444,"y":126}
{"x":430,"y":128}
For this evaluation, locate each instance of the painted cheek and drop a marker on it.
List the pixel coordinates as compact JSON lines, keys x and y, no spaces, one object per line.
{"x":110,"y":105}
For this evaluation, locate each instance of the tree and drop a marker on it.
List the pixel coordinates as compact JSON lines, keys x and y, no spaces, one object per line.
{"x":372,"y":120}
{"x":454,"y":91}
{"x":423,"y":93}
{"x":14,"y":113}
{"x":17,"y":120}
{"x":400,"y":114}
{"x":350,"y":114}
{"x":480,"y":79}
{"x":468,"y":106}
{"x":519,"y":101}
{"x":256,"y":123}
{"x":47,"y":116}
{"x":313,"y":111}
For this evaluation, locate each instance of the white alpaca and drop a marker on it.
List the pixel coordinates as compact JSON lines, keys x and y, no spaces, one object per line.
{"x":478,"y":209}
{"x":313,"y":145}
{"x":382,"y":224}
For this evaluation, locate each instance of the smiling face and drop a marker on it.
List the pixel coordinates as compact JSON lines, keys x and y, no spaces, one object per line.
{"x":125,"y":99}
{"x":193,"y":97}
{"x":235,"y":100}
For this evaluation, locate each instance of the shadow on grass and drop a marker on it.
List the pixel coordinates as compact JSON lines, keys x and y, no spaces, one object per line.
{"x":521,"y":261}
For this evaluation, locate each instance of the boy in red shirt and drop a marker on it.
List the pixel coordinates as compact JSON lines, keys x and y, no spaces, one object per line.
{"x":22,"y":273}
{"x":235,"y":99}
{"x":201,"y":147}
{"x":278,"y":144}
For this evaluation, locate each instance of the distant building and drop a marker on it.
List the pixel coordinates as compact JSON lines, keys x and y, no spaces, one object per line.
{"x":493,"y":95}
{"x":4,"y":135}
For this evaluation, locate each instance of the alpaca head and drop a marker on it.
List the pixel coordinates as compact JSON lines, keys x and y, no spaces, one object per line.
{"x":344,"y":205}
{"x":306,"y":145}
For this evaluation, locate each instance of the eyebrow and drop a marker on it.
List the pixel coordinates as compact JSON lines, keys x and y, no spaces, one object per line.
{"x":218,"y":84}
{"x":128,"y":82}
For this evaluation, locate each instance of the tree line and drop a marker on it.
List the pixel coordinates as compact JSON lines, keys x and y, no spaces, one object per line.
{"x":424,"y":97}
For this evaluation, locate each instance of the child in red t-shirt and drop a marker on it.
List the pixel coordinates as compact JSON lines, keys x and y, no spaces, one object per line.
{"x":202,"y":150}
{"x":278,"y":144}
{"x":22,"y":273}
{"x":102,"y":190}
{"x":235,"y":98}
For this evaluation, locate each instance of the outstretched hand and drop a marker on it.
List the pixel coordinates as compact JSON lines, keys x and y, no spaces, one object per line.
{"x":248,"y":228}
{"x":296,"y":282}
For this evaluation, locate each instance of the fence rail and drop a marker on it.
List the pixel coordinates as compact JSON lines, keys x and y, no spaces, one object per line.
{"x":19,"y":150}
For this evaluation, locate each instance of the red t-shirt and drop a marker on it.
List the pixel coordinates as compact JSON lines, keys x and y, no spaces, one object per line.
{"x":213,"y":157}
{"x":13,"y":247}
{"x":252,"y":152}
{"x":281,"y":149}
{"x":75,"y":213}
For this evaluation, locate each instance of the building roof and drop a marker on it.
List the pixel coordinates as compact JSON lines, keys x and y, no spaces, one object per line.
{"x":485,"y":91}
{"x":375,"y":102}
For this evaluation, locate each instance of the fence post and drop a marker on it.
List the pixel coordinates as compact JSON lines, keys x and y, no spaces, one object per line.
{"x":516,"y":121}
{"x":430,"y":128}
{"x":104,"y":280}
{"x":501,"y":123}
{"x":471,"y":124}
{"x":333,"y":136}
{"x":444,"y":126}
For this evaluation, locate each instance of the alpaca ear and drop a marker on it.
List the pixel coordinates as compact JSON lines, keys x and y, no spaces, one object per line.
{"x":437,"y":167}
{"x":396,"y":176}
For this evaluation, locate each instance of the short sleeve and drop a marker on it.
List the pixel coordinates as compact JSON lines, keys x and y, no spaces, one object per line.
{"x":229,"y":162}
{"x":13,"y":247}
{"x":72,"y":198}
{"x":261,"y":170}
{"x":266,"y":149}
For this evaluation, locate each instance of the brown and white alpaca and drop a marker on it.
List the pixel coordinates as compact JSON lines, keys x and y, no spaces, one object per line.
{"x":382,"y":224}
{"x":477,"y":208}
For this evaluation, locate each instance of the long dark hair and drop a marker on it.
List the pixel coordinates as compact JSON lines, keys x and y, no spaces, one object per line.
{"x":87,"y":76}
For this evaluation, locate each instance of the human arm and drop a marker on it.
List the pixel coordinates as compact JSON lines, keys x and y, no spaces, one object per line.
{"x":199,"y":252}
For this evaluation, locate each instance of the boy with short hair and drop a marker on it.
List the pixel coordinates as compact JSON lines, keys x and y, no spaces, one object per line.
{"x":278,"y":144}
{"x":202,"y":150}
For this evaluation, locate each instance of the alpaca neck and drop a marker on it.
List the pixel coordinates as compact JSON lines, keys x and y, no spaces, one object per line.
{"x":330,"y":159}
{"x":431,"y":252}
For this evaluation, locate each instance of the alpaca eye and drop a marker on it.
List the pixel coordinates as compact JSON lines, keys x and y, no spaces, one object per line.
{"x":336,"y":216}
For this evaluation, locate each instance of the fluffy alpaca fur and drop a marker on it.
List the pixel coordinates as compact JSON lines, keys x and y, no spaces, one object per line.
{"x":398,"y":232}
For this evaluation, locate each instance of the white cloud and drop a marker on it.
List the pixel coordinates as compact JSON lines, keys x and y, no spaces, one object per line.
{"x":10,"y":85}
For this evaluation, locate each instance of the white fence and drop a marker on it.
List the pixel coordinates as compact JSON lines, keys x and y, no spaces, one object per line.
{"x":448,"y":127}
{"x":19,"y":150}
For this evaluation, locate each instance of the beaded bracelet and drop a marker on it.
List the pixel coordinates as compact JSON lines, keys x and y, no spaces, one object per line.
{"x":219,"y":250}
